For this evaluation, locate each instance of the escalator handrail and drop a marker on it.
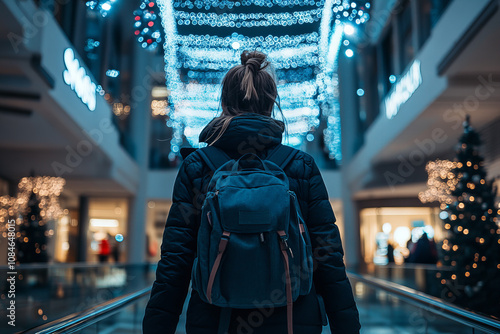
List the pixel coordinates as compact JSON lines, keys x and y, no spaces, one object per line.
{"x":431,"y":304}
{"x":434,"y":305}
{"x":80,"y":320}
{"x":76,"y":265}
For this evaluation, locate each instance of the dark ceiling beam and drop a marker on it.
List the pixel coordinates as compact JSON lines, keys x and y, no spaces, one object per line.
{"x":15,"y":111}
{"x":19,"y":95}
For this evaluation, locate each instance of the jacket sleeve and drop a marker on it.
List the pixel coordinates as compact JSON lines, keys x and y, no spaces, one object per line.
{"x":177,"y":255}
{"x":329,"y":276}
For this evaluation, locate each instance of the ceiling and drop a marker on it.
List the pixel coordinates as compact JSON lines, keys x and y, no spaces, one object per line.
{"x":477,"y":62}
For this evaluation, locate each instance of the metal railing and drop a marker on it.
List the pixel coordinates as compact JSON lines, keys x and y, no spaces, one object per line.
{"x":431,"y":304}
{"x":78,"y":321}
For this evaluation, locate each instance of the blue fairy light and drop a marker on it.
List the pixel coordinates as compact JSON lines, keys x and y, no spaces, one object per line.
{"x":103,"y":7}
{"x":146,"y":25}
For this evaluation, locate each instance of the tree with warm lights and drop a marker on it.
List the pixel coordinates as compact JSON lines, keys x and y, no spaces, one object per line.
{"x":34,"y":207}
{"x":32,"y":242}
{"x":472,"y":244}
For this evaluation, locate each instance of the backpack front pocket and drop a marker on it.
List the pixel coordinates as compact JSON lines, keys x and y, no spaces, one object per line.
{"x":251,"y":273}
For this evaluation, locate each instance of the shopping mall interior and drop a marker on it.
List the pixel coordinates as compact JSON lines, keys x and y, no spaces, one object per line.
{"x":397,"y":101}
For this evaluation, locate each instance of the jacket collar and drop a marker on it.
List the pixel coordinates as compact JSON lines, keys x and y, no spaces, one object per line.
{"x":246,"y":133}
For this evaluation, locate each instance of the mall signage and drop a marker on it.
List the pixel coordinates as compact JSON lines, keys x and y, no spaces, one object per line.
{"x":76,"y":77}
{"x":403,"y":90}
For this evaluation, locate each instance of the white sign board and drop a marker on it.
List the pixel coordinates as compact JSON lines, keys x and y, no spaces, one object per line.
{"x":403,"y":90}
{"x":76,"y":77}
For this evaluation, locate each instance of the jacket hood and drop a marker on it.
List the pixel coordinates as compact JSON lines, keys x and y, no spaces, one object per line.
{"x":250,"y":131}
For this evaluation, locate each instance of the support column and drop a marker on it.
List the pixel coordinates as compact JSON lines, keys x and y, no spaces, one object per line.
{"x":83,"y":227}
{"x":351,"y":136}
{"x":351,"y":240}
{"x":139,"y":130}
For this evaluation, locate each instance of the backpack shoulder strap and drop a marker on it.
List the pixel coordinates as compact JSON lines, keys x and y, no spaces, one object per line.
{"x":282,"y":155}
{"x":213,"y":156}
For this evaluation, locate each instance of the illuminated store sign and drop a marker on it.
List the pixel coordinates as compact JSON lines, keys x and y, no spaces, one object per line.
{"x":403,"y":90}
{"x":76,"y":77}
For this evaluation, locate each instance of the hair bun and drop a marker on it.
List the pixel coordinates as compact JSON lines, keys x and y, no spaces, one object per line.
{"x":255,"y":60}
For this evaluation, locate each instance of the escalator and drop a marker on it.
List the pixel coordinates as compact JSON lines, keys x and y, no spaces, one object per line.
{"x":385,"y":307}
{"x":49,"y":292}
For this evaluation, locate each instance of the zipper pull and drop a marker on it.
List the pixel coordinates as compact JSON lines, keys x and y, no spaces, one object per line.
{"x":209,"y":218}
{"x":285,"y":244}
{"x":261,"y":238}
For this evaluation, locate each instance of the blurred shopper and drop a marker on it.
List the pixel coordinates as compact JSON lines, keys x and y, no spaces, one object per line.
{"x":390,"y":252}
{"x":424,"y":251}
{"x":249,"y":95}
{"x":104,"y":250}
{"x":115,"y":248}
{"x":409,"y":248}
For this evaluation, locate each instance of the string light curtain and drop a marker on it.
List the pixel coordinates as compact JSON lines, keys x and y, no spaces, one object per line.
{"x":147,"y":25}
{"x":103,"y":7}
{"x":302,"y":38}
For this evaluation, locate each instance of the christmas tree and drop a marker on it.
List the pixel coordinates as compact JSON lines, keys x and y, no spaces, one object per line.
{"x":472,"y":245}
{"x":32,"y":243}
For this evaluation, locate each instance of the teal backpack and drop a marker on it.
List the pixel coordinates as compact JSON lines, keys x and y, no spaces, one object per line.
{"x":253,"y":246}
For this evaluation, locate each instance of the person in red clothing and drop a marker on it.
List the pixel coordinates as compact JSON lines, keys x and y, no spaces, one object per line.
{"x":104,"y":250}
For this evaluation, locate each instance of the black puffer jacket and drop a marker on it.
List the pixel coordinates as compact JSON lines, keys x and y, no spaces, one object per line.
{"x":245,"y":134}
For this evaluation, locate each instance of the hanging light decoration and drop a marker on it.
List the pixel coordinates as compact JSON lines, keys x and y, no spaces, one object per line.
{"x":47,"y":190}
{"x":147,"y":26}
{"x":305,"y":64}
{"x":247,"y":20}
{"x":103,"y":7}
{"x":8,"y":208}
{"x":441,"y":182}
{"x":228,"y":4}
{"x":351,"y":11}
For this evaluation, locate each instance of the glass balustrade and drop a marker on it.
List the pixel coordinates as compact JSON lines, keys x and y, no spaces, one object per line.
{"x":48,"y":292}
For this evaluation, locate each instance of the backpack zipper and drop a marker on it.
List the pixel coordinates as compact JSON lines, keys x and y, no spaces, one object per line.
{"x":209,"y":218}
{"x":284,"y":242}
{"x":261,"y":238}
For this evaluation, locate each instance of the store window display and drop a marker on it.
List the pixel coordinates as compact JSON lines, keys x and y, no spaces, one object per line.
{"x":107,"y":230}
{"x":390,"y":235}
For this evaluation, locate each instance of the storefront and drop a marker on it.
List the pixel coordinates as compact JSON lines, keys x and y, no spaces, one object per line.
{"x":107,"y":233}
{"x":401,"y":227}
{"x":155,"y":225}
